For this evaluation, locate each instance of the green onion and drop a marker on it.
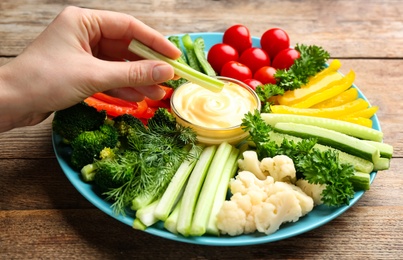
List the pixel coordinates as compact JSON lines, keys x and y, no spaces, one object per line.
{"x":210,"y":83}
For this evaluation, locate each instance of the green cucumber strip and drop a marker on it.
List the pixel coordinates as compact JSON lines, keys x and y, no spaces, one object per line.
{"x":205,"y":201}
{"x":358,"y":163}
{"x":182,"y":70}
{"x":382,"y":164}
{"x":176,"y":41}
{"x":230,"y":168}
{"x":192,"y":190}
{"x":171,"y":222}
{"x":346,"y":143}
{"x":199,"y":47}
{"x":385,"y":149}
{"x":190,"y":52}
{"x":348,"y":128}
{"x":361,"y":181}
{"x":170,"y":196}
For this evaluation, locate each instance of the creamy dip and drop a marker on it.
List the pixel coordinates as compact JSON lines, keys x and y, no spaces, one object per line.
{"x":209,"y":109}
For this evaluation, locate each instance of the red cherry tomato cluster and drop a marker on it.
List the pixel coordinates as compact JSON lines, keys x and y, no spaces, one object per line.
{"x":236,"y":58}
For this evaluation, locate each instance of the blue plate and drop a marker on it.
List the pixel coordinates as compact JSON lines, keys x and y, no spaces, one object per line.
{"x":319,"y":216}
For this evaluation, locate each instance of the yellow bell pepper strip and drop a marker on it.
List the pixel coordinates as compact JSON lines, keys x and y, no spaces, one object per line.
{"x":332,"y":89}
{"x":341,"y":99}
{"x":331,"y":112}
{"x":317,"y":83}
{"x":358,"y":120}
{"x":365,"y":113}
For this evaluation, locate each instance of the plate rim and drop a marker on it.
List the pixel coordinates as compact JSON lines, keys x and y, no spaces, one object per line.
{"x":87,"y":191}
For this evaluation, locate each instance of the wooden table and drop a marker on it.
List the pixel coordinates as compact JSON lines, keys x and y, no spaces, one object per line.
{"x":42,"y":216}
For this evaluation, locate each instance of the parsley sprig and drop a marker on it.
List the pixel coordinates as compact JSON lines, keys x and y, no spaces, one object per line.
{"x":312,"y":60}
{"x":318,"y":167}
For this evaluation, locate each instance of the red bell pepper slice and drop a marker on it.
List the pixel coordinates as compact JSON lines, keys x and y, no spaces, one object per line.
{"x":112,"y":109}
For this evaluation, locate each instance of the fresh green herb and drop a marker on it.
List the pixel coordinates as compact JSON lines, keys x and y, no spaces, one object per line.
{"x":312,"y":164}
{"x":311,"y":61}
{"x":265,"y":92}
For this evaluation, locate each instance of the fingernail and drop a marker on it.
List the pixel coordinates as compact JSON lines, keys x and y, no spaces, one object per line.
{"x":162,"y":73}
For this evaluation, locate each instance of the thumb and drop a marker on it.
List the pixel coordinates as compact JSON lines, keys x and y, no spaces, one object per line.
{"x":133,"y":74}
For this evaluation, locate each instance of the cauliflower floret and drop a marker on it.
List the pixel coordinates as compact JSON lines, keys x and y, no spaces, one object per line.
{"x":312,"y":190}
{"x":246,"y":181}
{"x":280,"y":167}
{"x":231,"y":219}
{"x":261,"y":205}
{"x":251,"y":163}
{"x":306,"y":202}
{"x":281,"y":207}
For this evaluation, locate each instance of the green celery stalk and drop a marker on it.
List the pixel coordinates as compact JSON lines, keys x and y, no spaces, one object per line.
{"x":146,"y":214}
{"x":178,"y":181}
{"x":184,"y":71}
{"x":171,"y":222}
{"x":230,"y":168}
{"x":192,"y":190}
{"x":137,"y":224}
{"x":207,"y":194}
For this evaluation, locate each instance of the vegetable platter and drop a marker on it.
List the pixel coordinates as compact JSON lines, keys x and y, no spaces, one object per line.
{"x":319,"y":216}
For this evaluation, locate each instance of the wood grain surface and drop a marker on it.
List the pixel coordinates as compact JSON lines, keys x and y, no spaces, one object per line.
{"x":42,"y":216}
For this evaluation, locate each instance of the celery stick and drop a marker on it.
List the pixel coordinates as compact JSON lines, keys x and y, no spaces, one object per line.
{"x":206,"y":198}
{"x":178,"y":181}
{"x":192,"y":190}
{"x":142,"y":201}
{"x":230,"y":168}
{"x":146,"y":214}
{"x":184,"y":71}
{"x":385,"y":149}
{"x":137,"y":224}
{"x":172,"y":221}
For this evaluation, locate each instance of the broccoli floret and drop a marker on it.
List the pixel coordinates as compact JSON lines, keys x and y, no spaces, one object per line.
{"x":88,"y":145}
{"x":162,"y":120}
{"x":164,"y":123}
{"x":72,"y":121}
{"x":113,"y":172}
{"x":126,"y":123}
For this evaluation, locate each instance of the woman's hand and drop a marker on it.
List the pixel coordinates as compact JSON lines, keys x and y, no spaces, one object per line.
{"x":80,"y":53}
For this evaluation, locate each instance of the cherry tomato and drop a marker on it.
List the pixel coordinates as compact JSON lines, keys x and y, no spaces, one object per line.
{"x":273,"y":41}
{"x":285,"y":58}
{"x":254,"y":58}
{"x":265,"y":75}
{"x":238,"y":36}
{"x":236,"y":70}
{"x":221,"y":53}
{"x":253,"y":83}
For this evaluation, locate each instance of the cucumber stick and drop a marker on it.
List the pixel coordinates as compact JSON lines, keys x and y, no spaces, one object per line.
{"x":332,"y":138}
{"x":358,"y":163}
{"x":348,"y":128}
{"x":207,"y":194}
{"x":385,"y":149}
{"x":361,"y":181}
{"x":191,"y":193}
